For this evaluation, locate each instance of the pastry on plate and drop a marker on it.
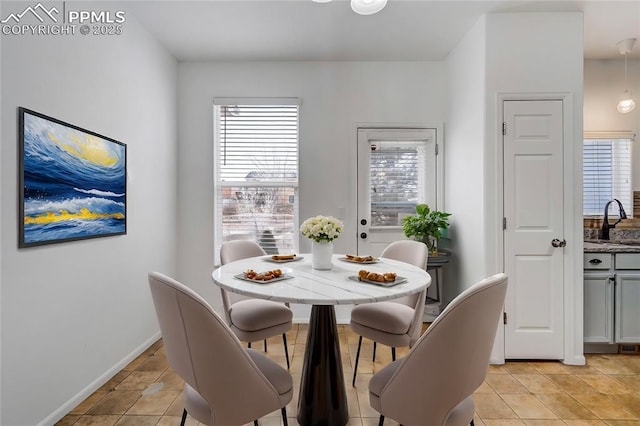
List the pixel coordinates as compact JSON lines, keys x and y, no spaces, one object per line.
{"x":284,"y":256}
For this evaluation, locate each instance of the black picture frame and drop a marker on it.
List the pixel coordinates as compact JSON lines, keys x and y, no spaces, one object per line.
{"x":72,"y":182}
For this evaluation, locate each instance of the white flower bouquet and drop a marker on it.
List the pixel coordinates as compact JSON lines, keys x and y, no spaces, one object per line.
{"x":321,"y":228}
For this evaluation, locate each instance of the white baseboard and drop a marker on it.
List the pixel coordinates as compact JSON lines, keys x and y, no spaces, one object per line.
{"x":65,"y":408}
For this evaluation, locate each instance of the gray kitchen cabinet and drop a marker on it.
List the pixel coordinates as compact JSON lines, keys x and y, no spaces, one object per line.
{"x":612,"y":298}
{"x":627,"y":317}
{"x":598,"y":307}
{"x":598,"y":298}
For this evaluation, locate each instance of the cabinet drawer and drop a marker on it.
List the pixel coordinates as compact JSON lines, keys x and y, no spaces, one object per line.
{"x":597,"y":260}
{"x":627,"y":261}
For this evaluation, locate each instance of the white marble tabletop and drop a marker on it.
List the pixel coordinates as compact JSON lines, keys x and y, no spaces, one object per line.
{"x":316,"y":287}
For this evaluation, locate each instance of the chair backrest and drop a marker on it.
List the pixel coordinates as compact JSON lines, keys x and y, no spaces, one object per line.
{"x":239,"y":249}
{"x":202,"y":349}
{"x":409,"y":251}
{"x":450,"y":360}
{"x":236,"y":250}
{"x":413,"y":252}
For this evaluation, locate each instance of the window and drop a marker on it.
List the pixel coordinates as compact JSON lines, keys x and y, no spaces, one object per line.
{"x":398,"y":180}
{"x":607,"y":171}
{"x":256,"y":172}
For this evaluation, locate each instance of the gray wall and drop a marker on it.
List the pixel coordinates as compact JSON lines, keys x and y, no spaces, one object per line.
{"x":530,"y":53}
{"x":514,"y":55}
{"x":603,"y":85}
{"x":336,"y":97}
{"x":74,"y":314}
{"x":464,"y":159}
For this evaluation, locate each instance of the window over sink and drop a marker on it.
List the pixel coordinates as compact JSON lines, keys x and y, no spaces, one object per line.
{"x":607,"y":171}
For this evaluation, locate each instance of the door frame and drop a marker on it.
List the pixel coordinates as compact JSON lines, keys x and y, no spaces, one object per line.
{"x":573,"y":231}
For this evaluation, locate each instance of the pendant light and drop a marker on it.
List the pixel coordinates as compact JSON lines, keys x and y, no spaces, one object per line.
{"x":626,"y":103}
{"x":367,"y":7}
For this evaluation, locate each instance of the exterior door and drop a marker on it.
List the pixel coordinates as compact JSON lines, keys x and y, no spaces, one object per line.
{"x":534,"y":229}
{"x":396,"y":171}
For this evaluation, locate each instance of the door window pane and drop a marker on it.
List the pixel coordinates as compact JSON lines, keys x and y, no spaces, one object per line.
{"x":397,"y":180}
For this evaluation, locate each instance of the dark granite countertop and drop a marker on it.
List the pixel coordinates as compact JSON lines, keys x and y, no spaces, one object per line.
{"x":614,"y":246}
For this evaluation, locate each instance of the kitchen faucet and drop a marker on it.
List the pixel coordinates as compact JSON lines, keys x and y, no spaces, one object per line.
{"x":605,"y":221}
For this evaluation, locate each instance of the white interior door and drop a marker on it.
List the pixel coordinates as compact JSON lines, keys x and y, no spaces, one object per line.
{"x":396,"y":170}
{"x":533,"y":211}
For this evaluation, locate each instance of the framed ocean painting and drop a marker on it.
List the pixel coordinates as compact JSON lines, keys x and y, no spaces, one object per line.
{"x":73,"y":182}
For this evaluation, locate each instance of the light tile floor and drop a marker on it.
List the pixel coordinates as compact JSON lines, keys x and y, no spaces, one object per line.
{"x":604,"y":392}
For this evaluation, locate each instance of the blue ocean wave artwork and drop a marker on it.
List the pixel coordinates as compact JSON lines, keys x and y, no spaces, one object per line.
{"x":74,"y":182}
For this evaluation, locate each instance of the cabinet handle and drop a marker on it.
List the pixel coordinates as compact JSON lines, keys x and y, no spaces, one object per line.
{"x":595,"y":261}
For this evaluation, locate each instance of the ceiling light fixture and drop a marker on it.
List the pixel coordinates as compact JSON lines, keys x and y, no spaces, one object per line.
{"x":363,"y":7}
{"x":626,"y":103}
{"x":367,"y":7}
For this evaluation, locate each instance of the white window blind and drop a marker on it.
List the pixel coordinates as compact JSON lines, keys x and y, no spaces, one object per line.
{"x":607,"y":172}
{"x":256,"y":172}
{"x":397,"y":180}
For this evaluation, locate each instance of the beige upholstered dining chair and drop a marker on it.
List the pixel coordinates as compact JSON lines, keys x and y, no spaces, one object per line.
{"x":253,"y":319}
{"x":433,"y":384}
{"x":396,"y":323}
{"x":225,"y":384}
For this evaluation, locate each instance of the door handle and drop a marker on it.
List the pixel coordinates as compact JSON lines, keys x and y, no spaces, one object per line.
{"x":558,"y":243}
{"x":363,"y":235}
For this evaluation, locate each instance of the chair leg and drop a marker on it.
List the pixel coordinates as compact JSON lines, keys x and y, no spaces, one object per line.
{"x":355,"y":368}
{"x":374,"y":351}
{"x":381,"y":422}
{"x":184,"y":417}
{"x":255,"y":423}
{"x":286,"y":350}
{"x":284,"y":416}
{"x":265,"y":345}
{"x":393,"y":354}
{"x":249,"y":345}
{"x":471,"y":423}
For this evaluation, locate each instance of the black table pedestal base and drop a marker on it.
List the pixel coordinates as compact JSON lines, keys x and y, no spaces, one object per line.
{"x":323,"y":399}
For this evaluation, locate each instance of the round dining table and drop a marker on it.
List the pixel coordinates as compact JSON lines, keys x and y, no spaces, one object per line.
{"x":322,"y":399}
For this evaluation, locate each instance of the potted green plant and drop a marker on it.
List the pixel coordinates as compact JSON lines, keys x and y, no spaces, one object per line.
{"x":426,"y":226}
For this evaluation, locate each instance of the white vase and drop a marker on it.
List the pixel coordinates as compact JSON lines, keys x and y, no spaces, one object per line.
{"x":321,"y":255}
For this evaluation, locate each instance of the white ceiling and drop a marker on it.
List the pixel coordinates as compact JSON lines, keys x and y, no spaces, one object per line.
{"x":301,"y":30}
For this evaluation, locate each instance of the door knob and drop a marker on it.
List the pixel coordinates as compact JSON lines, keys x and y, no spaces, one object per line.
{"x":558,"y":243}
